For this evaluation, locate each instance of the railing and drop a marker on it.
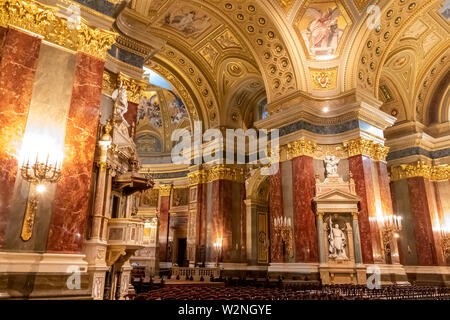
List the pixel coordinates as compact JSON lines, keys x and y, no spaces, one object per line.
{"x":126,"y":232}
{"x":196,"y":273}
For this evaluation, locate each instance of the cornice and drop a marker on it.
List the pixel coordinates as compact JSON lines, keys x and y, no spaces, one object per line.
{"x":44,"y":21}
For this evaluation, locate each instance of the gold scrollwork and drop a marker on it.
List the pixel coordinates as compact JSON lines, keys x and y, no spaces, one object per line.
{"x":367,"y":148}
{"x":165,"y":189}
{"x":420,"y":169}
{"x":135,"y":88}
{"x":43,"y":20}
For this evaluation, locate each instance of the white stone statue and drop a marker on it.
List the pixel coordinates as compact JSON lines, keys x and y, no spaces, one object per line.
{"x":331,"y":166}
{"x":120,"y":102}
{"x":338,"y":242}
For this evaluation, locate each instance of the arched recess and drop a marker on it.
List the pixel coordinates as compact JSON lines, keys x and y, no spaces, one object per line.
{"x":438,"y":103}
{"x":371,"y":47}
{"x":201,"y":107}
{"x":394,"y":100}
{"x":239,"y":84}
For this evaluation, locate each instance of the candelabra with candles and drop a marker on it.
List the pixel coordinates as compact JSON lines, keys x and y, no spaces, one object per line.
{"x":37,"y":174}
{"x":218,"y":249}
{"x":390,"y":227}
{"x":283,"y":227}
{"x":445,"y":242}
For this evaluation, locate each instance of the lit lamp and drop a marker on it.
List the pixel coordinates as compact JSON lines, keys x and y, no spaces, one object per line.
{"x":445,"y":241}
{"x":218,"y":248}
{"x":40,"y":164}
{"x":390,"y":228}
{"x":283,"y":227}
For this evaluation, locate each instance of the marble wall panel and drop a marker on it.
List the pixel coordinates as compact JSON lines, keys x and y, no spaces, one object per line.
{"x":45,"y":131}
{"x":70,"y":207}
{"x":19,"y":60}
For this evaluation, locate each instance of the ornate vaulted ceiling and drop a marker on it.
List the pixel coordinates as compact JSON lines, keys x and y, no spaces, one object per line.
{"x":229,"y":55}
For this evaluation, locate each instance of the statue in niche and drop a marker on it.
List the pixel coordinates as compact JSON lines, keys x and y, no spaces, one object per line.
{"x":337,"y":241}
{"x":331,"y":166}
{"x":120,"y":103}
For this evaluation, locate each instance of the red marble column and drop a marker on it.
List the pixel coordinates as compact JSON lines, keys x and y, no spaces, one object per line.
{"x":305,"y":231}
{"x":243,"y":224}
{"x":275,"y":210}
{"x":425,"y":246}
{"x":221,"y":222}
{"x":70,"y":206}
{"x":163,"y":228}
{"x":360,"y":167}
{"x":131,"y":116}
{"x":19,"y":58}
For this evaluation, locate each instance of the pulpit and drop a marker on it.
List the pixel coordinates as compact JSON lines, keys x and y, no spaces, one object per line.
{"x":336,"y":208}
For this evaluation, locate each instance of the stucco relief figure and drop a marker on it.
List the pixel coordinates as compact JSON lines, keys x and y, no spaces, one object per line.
{"x":322,"y":35}
{"x":337,"y":243}
{"x":331,"y":166}
{"x":120,"y":102}
{"x":187,"y":21}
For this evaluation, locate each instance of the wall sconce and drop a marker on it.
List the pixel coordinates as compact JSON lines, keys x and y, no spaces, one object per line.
{"x":37,"y":174}
{"x":218,"y":249}
{"x":390,"y":228}
{"x":445,"y":241}
{"x":283,"y":227}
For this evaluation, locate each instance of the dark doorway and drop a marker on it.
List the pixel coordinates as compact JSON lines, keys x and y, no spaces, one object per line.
{"x":181,"y":251}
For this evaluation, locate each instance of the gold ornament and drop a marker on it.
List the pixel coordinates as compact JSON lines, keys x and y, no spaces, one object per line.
{"x":420,"y":169}
{"x":368,"y":148}
{"x":42,"y":20}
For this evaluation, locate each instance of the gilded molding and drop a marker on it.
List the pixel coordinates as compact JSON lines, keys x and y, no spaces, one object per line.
{"x":367,"y":148}
{"x":42,"y":20}
{"x":218,"y":172}
{"x":301,"y":147}
{"x":420,"y":169}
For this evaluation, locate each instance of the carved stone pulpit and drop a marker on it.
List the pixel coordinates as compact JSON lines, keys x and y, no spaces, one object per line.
{"x":336,"y":206}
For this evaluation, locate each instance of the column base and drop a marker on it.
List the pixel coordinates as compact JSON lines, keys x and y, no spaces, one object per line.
{"x":44,"y":276}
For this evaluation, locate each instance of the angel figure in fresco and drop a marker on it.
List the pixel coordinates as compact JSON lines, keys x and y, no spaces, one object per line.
{"x":120,"y":102}
{"x":187,"y":22}
{"x":322,"y":35}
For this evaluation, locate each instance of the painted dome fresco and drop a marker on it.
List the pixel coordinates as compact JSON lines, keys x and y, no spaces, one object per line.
{"x":160,"y":112}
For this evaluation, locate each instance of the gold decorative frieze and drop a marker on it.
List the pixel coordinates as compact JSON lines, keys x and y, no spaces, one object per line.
{"x":135,"y":88}
{"x":367,"y":148}
{"x":301,"y":147}
{"x":223,"y":172}
{"x":197,"y":177}
{"x":218,"y":172}
{"x":42,"y":20}
{"x":420,"y":169}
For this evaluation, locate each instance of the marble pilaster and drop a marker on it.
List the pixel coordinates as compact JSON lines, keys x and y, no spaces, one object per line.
{"x":276,"y":210}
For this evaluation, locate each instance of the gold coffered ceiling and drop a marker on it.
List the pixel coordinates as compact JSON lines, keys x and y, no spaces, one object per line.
{"x":229,"y":54}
